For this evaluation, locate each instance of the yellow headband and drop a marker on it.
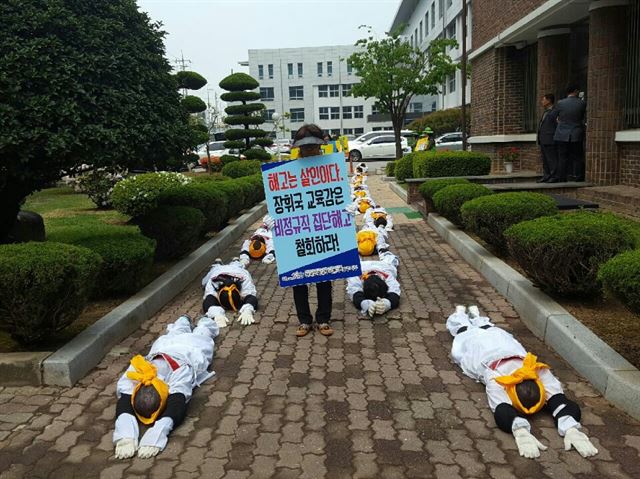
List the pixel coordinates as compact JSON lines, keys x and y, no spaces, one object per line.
{"x":146,"y":374}
{"x":229,"y":291}
{"x":375,"y":216}
{"x":529,"y":370}
{"x":360,"y":194}
{"x":366,"y":242}
{"x":364,"y":205}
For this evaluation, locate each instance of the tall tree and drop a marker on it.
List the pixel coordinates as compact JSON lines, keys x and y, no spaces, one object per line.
{"x":393,"y":72}
{"x":82,"y":82}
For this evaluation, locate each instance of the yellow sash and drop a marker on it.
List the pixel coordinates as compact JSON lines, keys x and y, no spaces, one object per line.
{"x":146,"y":374}
{"x":529,"y":370}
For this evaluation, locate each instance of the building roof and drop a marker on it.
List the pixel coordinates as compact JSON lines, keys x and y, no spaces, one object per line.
{"x":403,"y":15}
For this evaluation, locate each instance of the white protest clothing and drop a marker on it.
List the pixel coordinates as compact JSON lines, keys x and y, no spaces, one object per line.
{"x":263,"y":233}
{"x":381,"y":237}
{"x":355,"y":206}
{"x":386,"y":271}
{"x":234,"y":269}
{"x":368,"y":217}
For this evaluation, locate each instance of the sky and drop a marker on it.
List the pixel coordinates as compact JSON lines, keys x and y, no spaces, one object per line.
{"x":214,"y":35}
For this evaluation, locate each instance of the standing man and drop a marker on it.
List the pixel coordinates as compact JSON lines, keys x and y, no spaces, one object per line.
{"x":569,"y":136}
{"x":546,"y":130}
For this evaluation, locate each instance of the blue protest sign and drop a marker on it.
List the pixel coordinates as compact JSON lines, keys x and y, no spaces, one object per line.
{"x":313,"y":234}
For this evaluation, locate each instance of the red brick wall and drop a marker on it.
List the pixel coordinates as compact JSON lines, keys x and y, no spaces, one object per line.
{"x":630,"y":164}
{"x":483,"y":94}
{"x":491,"y":17}
{"x":553,"y":66}
{"x":529,"y":156}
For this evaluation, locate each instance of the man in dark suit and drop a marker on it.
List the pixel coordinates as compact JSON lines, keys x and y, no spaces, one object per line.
{"x":546,"y":130}
{"x":569,"y":136}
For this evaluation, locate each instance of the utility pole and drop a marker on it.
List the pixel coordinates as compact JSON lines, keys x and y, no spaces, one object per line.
{"x":181,"y":63}
{"x":463,"y":73}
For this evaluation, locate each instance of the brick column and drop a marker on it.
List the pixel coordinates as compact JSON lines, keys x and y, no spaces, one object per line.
{"x":553,"y":62}
{"x":605,"y":101}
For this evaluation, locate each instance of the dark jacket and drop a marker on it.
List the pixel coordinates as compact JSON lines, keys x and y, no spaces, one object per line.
{"x":571,"y":113}
{"x":547,"y":127}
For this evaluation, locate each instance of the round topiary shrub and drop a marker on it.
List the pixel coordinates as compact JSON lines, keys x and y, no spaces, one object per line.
{"x":404,"y":167}
{"x":390,"y":168}
{"x":137,"y":195}
{"x":450,"y":199}
{"x":226,"y":159}
{"x":193,"y":104}
{"x":431,"y":187}
{"x":190,"y":80}
{"x":490,"y":216}
{"x":176,"y":229}
{"x":241,"y":168}
{"x":562,"y":253}
{"x":257,"y":153}
{"x":44,"y":287}
{"x":620,"y":277}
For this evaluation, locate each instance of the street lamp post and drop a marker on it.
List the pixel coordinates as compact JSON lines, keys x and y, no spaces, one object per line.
{"x":276,"y":117}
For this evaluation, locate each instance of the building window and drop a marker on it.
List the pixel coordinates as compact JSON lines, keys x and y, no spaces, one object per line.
{"x":632,"y":98}
{"x":449,"y":3}
{"x":415,"y":107}
{"x":349,"y":68}
{"x":433,"y":15}
{"x":374,"y":109}
{"x":300,"y":71}
{"x":346,"y":89}
{"x":451,"y":29}
{"x":530,"y":88}
{"x":440,"y":8}
{"x":266,"y":93}
{"x":329,"y":69}
{"x":415,"y":35}
{"x":324,"y":113}
{"x":319,"y":69}
{"x":358,"y":111}
{"x":420,"y":32}
{"x":426,"y":23}
{"x":290,"y":70}
{"x":334,"y":90}
{"x":335,"y":132}
{"x":270,"y":70}
{"x":348,"y":131}
{"x":268,"y":114}
{"x":297,"y":115}
{"x":358,"y":131}
{"x":323,"y":91}
{"x":347,"y":113}
{"x":260,"y":72}
{"x":378,"y":128}
{"x":335,"y":112}
{"x":452,"y":83}
{"x":296,"y":93}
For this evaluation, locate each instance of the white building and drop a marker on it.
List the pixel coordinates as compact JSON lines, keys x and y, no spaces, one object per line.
{"x":426,"y":20}
{"x":312,"y":84}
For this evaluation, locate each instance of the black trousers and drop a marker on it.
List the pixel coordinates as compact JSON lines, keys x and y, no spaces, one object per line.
{"x":570,"y":160}
{"x":301,"y":300}
{"x":549,"y":155}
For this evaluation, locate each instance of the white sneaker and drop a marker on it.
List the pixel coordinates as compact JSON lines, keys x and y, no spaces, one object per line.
{"x":461,"y":309}
{"x":474,"y":312}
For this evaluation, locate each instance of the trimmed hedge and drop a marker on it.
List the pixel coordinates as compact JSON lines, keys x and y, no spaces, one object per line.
{"x":44,"y":286}
{"x":404,"y":167}
{"x":240,"y":96}
{"x":244,"y":109}
{"x":244,"y":120}
{"x":562,"y":253}
{"x":490,"y":216}
{"x":257,"y":154}
{"x":190,"y":80}
{"x":450,"y":199}
{"x":238,"y":134}
{"x":431,"y":187}
{"x":176,"y":229}
{"x":193,"y":104}
{"x":620,"y":277}
{"x":211,"y":202}
{"x":241,"y":168}
{"x":390,"y":169}
{"x":438,"y":164}
{"x":236,"y":82}
{"x":138,"y":195}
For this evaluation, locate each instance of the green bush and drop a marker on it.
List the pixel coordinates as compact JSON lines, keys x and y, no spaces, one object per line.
{"x":244,"y":109}
{"x":252,"y":187}
{"x":562,"y":253}
{"x":193,"y":104}
{"x":238,"y":134}
{"x":490,"y":216}
{"x":211,"y":202}
{"x":44,"y":286}
{"x":176,"y":229}
{"x":450,"y":199}
{"x":238,"y":169}
{"x":137,"y":195}
{"x":244,"y":120}
{"x":620,"y":276}
{"x":257,"y":153}
{"x":236,"y":82}
{"x":236,"y":197}
{"x":441,"y":121}
{"x":190,"y":80}
{"x":404,"y":167}
{"x":98,"y":184}
{"x":431,"y":187}
{"x":226,"y":159}
{"x":438,"y":164}
{"x":240,"y":96}
{"x":390,"y":168}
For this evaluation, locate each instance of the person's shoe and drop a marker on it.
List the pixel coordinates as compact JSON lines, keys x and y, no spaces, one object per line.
{"x":217,"y":261}
{"x":474,"y":312}
{"x":556,"y":180}
{"x":542,"y":180}
{"x":572,"y":178}
{"x":325,"y":329}
{"x":303,"y":330}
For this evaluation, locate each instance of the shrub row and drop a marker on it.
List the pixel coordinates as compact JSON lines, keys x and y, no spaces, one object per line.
{"x":238,"y":169}
{"x":450,"y":199}
{"x":404,"y":167}
{"x":390,"y":169}
{"x":438,"y":164}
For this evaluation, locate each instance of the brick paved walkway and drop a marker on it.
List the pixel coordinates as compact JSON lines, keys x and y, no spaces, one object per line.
{"x":377,"y":399}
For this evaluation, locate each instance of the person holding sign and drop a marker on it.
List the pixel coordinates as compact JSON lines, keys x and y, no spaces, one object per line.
{"x":377,"y":290}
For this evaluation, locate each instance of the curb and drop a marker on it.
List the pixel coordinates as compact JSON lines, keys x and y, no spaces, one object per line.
{"x":76,"y":358}
{"x":611,"y":374}
{"x":399,"y":190}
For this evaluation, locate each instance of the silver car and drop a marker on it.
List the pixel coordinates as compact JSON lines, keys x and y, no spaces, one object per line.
{"x":449,"y":141}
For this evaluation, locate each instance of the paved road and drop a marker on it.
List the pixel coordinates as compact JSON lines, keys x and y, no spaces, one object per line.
{"x":377,"y":399}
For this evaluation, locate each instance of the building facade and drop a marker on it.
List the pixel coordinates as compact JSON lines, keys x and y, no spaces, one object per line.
{"x":523,"y":49}
{"x":313,"y":85}
{"x":428,"y":20}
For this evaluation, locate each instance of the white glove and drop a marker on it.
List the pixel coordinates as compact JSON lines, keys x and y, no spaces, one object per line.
{"x":146,"y":452}
{"x":368,"y":308}
{"x":221,"y":320}
{"x":579,"y":440}
{"x":268,"y":259}
{"x":528,"y":445}
{"x":245,"y":318}
{"x":382,"y":305}
{"x":244,"y":259}
{"x":125,"y":448}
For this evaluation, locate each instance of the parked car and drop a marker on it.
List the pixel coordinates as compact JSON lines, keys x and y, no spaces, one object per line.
{"x":377,"y":147}
{"x":449,"y":141}
{"x":282,"y":144}
{"x":371,"y":134}
{"x":216,"y":150}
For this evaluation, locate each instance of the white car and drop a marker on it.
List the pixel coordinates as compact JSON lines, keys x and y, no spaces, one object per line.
{"x":449,"y":141}
{"x":216,"y":150}
{"x":282,"y":144}
{"x":372,"y":134}
{"x":377,"y":147}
